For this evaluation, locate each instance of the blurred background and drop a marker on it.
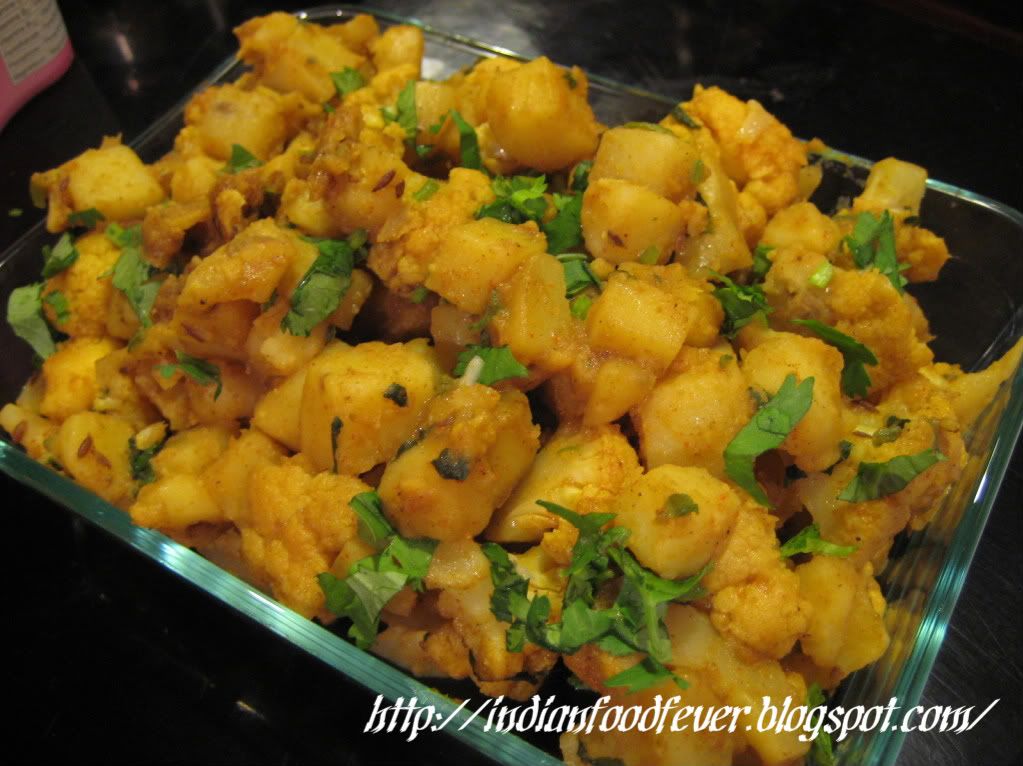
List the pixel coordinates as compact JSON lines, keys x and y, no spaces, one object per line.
{"x":116,"y":661}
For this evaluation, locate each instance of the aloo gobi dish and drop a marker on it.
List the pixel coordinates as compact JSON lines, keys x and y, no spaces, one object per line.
{"x":496,"y":385}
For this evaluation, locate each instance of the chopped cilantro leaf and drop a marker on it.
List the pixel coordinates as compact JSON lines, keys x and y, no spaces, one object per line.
{"x":85,"y":219}
{"x":519,"y":199}
{"x":741,"y":304}
{"x":855,"y":380}
{"x":891,"y":431}
{"x":320,"y":291}
{"x":140,"y":461}
{"x":580,"y":306}
{"x":761,"y":262}
{"x":808,"y":540}
{"x":644,"y":674}
{"x":875,"y":480}
{"x":59,"y":257}
{"x":872,"y":244}
{"x":202,"y":372}
{"x":469,"y":147}
{"x":578,"y":274}
{"x":426,"y":191}
{"x":498,"y":364}
{"x":374,"y":528}
{"x":25,"y":316}
{"x":131,"y":272}
{"x":821,"y":750}
{"x":678,"y":504}
{"x":766,"y":431}
{"x":58,"y":302}
{"x":451,"y":466}
{"x":581,"y":176}
{"x":564,"y":230}
{"x":419,"y":295}
{"x":241,"y":159}
{"x":347,"y":80}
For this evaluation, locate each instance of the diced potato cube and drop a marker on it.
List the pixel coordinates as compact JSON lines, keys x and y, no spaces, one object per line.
{"x":663,"y":162}
{"x":893,"y":185}
{"x":621,"y":219}
{"x":637,"y":320}
{"x":476,"y":257}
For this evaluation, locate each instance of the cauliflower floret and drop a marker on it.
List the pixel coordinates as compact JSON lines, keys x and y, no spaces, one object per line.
{"x":970,"y":393}
{"x":846,"y":629}
{"x":802,"y":226}
{"x":758,"y":152}
{"x":580,"y":468}
{"x":407,"y":243}
{"x":298,"y":523}
{"x":86,"y":291}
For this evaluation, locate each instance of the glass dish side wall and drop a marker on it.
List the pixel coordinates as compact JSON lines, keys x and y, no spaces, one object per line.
{"x":974,"y":313}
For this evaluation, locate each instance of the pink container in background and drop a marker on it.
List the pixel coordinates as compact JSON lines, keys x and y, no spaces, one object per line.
{"x":34,"y":51}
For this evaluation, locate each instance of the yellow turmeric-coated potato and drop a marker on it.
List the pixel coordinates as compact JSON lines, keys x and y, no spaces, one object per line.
{"x":375,"y":391}
{"x":582,"y":469}
{"x":623,"y":220}
{"x":69,"y":376}
{"x":476,"y":257}
{"x":539,"y":117}
{"x":475,"y":445}
{"x":694,"y":411}
{"x":677,"y":518}
{"x":802,"y":225}
{"x":93,"y":449}
{"x":111,"y":179}
{"x":663,"y":162}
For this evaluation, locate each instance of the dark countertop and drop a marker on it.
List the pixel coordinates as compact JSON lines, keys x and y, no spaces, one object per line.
{"x":116,"y":661}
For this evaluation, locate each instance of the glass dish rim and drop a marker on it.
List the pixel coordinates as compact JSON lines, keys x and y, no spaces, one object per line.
{"x":375,"y":674}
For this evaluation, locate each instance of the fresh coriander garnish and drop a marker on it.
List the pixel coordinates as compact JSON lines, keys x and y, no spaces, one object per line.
{"x":761,"y":261}
{"x":86,"y":219}
{"x":678,"y":504}
{"x":564,"y":230}
{"x":59,"y":303}
{"x":872,"y":244}
{"x":25,"y":316}
{"x":821,"y":750}
{"x":140,"y":461}
{"x":650,"y":256}
{"x":426,"y":191}
{"x":578,"y":274}
{"x":373,"y":581}
{"x":741,"y":304}
{"x":890,"y":432}
{"x":808,"y":540}
{"x":320,"y":291}
{"x":241,"y":159}
{"x":855,"y":380}
{"x":131,"y":272}
{"x":766,"y":431}
{"x":451,"y":465}
{"x":580,"y":306}
{"x":397,"y":394}
{"x":469,"y":146}
{"x":499,"y":363}
{"x":347,"y":80}
{"x":59,"y":257}
{"x":875,"y":480}
{"x":201,"y":371}
{"x":519,"y":199}
{"x":580,"y":178}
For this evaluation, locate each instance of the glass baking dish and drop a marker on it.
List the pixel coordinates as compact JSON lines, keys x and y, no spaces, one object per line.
{"x":975,"y":316}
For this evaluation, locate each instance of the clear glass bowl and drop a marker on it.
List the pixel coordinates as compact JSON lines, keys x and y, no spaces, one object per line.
{"x":973,"y":311}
